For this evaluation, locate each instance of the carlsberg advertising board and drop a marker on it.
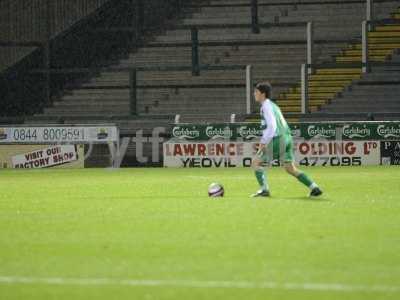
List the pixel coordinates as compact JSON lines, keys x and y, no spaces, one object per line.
{"x":315,"y":144}
{"x":329,"y":131}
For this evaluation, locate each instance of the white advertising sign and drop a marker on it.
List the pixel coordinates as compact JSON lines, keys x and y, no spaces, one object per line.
{"x":62,"y":134}
{"x":337,"y":153}
{"x":240,"y":154}
{"x":46,"y":157}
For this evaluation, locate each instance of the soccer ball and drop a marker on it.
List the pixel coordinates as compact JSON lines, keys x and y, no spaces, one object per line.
{"x":216,"y":190}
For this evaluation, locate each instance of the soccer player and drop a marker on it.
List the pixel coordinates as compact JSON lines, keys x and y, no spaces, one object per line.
{"x":276,"y":140}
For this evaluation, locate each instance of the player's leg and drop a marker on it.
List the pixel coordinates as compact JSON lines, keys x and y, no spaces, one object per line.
{"x":291,"y":168}
{"x":303,"y":178}
{"x":261,"y":176}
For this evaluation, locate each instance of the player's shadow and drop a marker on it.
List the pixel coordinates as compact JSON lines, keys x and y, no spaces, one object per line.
{"x":305,"y":198}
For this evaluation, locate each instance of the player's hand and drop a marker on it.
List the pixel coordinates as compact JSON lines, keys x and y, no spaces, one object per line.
{"x":261,"y":148}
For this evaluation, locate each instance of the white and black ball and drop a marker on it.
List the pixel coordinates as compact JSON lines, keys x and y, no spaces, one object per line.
{"x":216,"y":190}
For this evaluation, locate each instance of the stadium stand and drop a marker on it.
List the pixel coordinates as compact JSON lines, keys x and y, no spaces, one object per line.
{"x":374,"y":96}
{"x":226,"y":40}
{"x":23,"y":24}
{"x":343,"y":89}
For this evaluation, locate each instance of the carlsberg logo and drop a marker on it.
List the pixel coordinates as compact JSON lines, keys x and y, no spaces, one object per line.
{"x":296,"y":133}
{"x":352,"y":131}
{"x":185,"y":133}
{"x":249,"y":133}
{"x":388,"y":131}
{"x":321,"y":131}
{"x":216,"y":133}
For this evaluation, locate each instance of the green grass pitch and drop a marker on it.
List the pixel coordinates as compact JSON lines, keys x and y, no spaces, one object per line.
{"x":155,"y":234}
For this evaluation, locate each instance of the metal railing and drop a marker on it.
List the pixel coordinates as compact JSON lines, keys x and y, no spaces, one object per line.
{"x":133,"y":81}
{"x":364,"y":47}
{"x":304,"y":89}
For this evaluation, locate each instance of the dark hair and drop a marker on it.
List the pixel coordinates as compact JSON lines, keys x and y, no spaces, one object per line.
{"x":265,"y":88}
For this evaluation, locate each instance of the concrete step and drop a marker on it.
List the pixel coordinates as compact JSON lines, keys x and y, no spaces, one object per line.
{"x":226,"y":59}
{"x":352,"y":9}
{"x":205,"y":118}
{"x":90,"y":102}
{"x":384,"y":77}
{"x":171,"y":82}
{"x":193,"y":111}
{"x":182,"y":102}
{"x":84,"y":106}
{"x":94,"y":97}
{"x":150,"y":94}
{"x":235,"y":33}
{"x":288,"y":36}
{"x":189,"y":92}
{"x":91,"y":113}
{"x":120,"y":81}
{"x":393,"y":70}
{"x":246,"y":35}
{"x":356,"y":109}
{"x":229,"y":105}
{"x":272,"y":32}
{"x":227,"y":20}
{"x":213,"y":50}
{"x":385,"y":6}
{"x":240,"y":9}
{"x":94,"y":93}
{"x":379,"y":89}
{"x":351,"y":101}
{"x":345,"y":13}
{"x":295,"y":62}
{"x":257,"y":52}
{"x":245,"y":18}
{"x":286,"y":78}
{"x":155,"y":62}
{"x":266,"y":2}
{"x":204,"y":75}
{"x":373,"y":95}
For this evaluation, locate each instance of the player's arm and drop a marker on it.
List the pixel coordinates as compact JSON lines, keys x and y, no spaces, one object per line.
{"x":268,"y":132}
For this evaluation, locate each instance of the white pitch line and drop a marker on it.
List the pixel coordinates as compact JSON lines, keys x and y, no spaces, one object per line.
{"x":333,"y":287}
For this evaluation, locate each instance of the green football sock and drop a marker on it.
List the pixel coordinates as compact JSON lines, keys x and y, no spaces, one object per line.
{"x":307,"y":181}
{"x":261,"y":178}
